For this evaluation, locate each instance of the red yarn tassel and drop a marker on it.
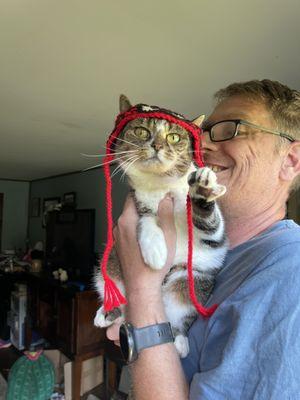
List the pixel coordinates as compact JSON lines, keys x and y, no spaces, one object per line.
{"x":112,"y":296}
{"x":206,"y":312}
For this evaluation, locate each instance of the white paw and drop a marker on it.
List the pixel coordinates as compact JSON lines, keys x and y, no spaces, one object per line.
{"x":182,"y":345}
{"x":203,"y":183}
{"x":152,"y":244}
{"x":100,"y":319}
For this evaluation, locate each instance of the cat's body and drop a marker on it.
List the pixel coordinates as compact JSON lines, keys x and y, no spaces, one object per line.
{"x":162,"y":164}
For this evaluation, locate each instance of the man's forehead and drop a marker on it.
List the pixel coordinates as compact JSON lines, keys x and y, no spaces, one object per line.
{"x":213,"y":119}
{"x":236,"y":108}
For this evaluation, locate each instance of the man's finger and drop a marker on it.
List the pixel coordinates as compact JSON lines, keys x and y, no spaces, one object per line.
{"x":166,"y":213}
{"x":112,"y":332}
{"x":129,"y":209}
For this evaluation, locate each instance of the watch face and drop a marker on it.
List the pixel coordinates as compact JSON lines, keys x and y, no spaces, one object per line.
{"x":127,"y":343}
{"x":124,"y":342}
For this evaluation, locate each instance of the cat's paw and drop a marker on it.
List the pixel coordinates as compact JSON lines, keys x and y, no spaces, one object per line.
{"x":153,"y":246}
{"x":182,"y":345}
{"x":203,"y":184}
{"x":104,"y":319}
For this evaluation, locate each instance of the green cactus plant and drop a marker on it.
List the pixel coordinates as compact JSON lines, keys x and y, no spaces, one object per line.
{"x":31,"y":379}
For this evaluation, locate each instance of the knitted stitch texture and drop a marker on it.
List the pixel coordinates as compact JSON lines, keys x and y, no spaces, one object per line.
{"x":31,"y":379}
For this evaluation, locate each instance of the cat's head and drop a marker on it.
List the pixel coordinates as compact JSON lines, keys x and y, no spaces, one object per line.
{"x":154,"y":146}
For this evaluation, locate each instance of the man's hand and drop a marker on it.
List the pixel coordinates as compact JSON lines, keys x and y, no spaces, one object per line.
{"x":112,"y":331}
{"x":137,"y":275}
{"x":143,"y":284}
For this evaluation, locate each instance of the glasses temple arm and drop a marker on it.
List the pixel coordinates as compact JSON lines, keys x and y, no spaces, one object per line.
{"x":285,"y":135}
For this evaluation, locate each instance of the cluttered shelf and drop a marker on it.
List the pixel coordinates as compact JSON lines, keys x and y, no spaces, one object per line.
{"x":43,"y":311}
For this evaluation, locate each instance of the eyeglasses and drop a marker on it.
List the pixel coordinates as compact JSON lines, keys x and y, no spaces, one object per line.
{"x":228,"y":129}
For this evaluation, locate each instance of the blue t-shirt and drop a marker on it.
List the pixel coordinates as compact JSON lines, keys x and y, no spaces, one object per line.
{"x":250,"y":347}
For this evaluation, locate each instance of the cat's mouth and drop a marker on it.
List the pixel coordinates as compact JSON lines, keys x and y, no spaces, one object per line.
{"x":153,"y":158}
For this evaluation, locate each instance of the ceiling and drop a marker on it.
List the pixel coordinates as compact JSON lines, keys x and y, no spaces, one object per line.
{"x":65,"y":62}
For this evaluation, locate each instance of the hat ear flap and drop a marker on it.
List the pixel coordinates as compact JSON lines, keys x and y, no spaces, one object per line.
{"x":124,"y":103}
{"x":199,"y":120}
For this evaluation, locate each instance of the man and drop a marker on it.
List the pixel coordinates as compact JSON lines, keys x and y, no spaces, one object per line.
{"x":249,"y":348}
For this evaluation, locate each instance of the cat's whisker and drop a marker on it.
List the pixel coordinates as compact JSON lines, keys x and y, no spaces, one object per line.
{"x":128,"y":160}
{"x":105,"y":163}
{"x":119,"y":167}
{"x":126,"y":141}
{"x":130,"y":165}
{"x":123,"y":165}
{"x":110,"y":154}
{"x":127,"y":168}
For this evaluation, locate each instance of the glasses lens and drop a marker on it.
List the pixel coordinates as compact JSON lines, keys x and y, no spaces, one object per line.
{"x":223,"y":131}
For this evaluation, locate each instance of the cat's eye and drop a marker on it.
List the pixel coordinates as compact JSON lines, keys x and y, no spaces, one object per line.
{"x":142,"y":133}
{"x":173,"y":138}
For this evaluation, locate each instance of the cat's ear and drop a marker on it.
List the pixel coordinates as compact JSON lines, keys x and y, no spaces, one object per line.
{"x":199,"y":120}
{"x":124,"y":103}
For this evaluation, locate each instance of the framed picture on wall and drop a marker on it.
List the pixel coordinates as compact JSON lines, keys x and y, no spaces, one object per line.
{"x":50,"y":203}
{"x":70,"y":198}
{"x":48,"y":206}
{"x":35,"y":207}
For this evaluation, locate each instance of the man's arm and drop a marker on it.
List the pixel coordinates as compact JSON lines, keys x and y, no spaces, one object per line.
{"x":157,"y":373}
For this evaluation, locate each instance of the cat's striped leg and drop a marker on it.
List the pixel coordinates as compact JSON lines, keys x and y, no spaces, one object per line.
{"x":207,"y":217}
{"x":179,"y":309}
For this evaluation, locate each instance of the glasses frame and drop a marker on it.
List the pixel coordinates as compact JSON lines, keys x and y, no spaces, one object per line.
{"x":239,"y":122}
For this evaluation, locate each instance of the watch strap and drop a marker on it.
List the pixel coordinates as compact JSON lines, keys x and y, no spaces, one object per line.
{"x":152,"y":335}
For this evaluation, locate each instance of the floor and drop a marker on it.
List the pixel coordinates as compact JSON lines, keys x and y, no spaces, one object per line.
{"x":9,"y":355}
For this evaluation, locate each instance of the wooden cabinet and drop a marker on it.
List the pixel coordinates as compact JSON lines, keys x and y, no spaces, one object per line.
{"x":45,"y":310}
{"x":64,"y":316}
{"x":87,"y":336}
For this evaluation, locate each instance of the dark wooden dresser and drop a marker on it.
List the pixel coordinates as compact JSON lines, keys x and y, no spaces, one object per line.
{"x":63,"y":315}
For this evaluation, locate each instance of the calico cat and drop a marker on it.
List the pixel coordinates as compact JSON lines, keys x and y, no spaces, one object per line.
{"x":157,"y":158}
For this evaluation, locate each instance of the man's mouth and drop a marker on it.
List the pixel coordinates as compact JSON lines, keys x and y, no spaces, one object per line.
{"x":216,"y":168}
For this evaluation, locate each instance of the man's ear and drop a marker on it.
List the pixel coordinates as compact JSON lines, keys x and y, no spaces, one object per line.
{"x":124,"y":103}
{"x":290,"y":167}
{"x":199,"y":120}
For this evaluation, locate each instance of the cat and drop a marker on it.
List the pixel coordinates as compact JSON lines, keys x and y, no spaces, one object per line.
{"x":157,"y":157}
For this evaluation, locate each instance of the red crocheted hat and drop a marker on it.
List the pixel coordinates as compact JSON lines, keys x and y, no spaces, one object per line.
{"x":112,"y":296}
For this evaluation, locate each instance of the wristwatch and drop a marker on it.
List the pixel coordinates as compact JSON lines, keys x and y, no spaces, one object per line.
{"x":134,"y":340}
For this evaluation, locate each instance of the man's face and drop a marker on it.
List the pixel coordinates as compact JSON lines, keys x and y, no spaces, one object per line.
{"x":249,"y":163}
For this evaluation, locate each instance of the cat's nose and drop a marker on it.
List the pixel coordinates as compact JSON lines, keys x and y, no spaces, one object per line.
{"x":156,"y":146}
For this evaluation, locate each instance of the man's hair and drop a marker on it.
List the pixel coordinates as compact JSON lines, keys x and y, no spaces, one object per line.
{"x":282,"y":102}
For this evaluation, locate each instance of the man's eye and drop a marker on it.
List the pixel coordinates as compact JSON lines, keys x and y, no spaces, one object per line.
{"x":173,"y":138}
{"x":142,"y":133}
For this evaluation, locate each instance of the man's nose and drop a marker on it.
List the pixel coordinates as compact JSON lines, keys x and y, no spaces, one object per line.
{"x":207,"y":144}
